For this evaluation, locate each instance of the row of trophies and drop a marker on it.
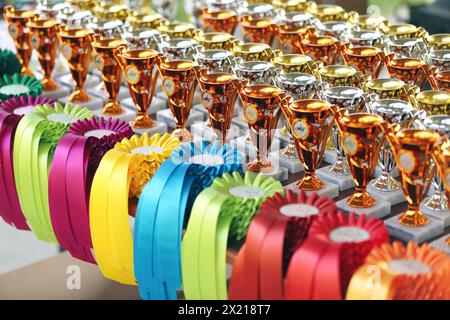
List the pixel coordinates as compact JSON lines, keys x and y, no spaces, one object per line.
{"x":328,"y":80}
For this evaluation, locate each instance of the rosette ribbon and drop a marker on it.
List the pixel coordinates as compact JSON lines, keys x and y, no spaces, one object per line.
{"x":162,"y":208}
{"x":35,"y":141}
{"x":222,"y":211}
{"x":398,"y":272}
{"x":281,"y":225}
{"x":76,"y":159}
{"x":9,"y":64}
{"x":16,"y":85}
{"x":118,"y":183}
{"x":11,"y":111}
{"x":337,"y":245}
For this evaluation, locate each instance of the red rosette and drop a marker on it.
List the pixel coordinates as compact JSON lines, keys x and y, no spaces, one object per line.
{"x":280,"y":226}
{"x":336,"y":247}
{"x":11,"y":112}
{"x":75,"y":162}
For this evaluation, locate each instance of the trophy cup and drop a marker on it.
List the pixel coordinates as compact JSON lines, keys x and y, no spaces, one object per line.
{"x":215,"y":60}
{"x":368,"y":60}
{"x":293,"y":5}
{"x":403,"y":114}
{"x":290,"y":36}
{"x":139,"y":69}
{"x":144,"y":20}
{"x":413,"y":150}
{"x":439,"y":59}
{"x":436,"y":205}
{"x":262,"y":112}
{"x":254,"y":51}
{"x":321,"y":48}
{"x":310,"y":122}
{"x":405,"y":47}
{"x":143,"y":39}
{"x":219,"y":20}
{"x":441,"y":80}
{"x":412,"y":71}
{"x":179,"y":48}
{"x":433,"y":102}
{"x":362,"y":139}
{"x":352,"y":100}
{"x":330,"y":12}
{"x":215,"y":40}
{"x":45,"y":41}
{"x":391,"y":88}
{"x":18,"y":29}
{"x":368,"y":21}
{"x":177,"y":29}
{"x":179,"y":83}
{"x":335,"y":29}
{"x":299,"y":86}
{"x":219,"y":93}
{"x":341,"y":75}
{"x":258,"y":29}
{"x":403,"y":30}
{"x":440,"y":41}
{"x":296,"y":63}
{"x":256,"y":72}
{"x":363,"y":38}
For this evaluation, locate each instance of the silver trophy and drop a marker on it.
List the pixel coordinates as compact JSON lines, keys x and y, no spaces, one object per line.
{"x":336,"y":28}
{"x":256,"y":72}
{"x":142,"y":39}
{"x":439,"y":59}
{"x":406,"y":47}
{"x":179,"y":48}
{"x":362,"y":38}
{"x":215,"y":60}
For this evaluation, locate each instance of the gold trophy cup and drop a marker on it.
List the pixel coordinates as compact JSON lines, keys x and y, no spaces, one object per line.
{"x":258,"y":29}
{"x":433,"y":102}
{"x":410,"y":70}
{"x":367,"y":59}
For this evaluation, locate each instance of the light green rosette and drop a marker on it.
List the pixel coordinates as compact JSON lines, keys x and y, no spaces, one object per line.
{"x":224,"y":209}
{"x":15,"y":85}
{"x":35,"y":141}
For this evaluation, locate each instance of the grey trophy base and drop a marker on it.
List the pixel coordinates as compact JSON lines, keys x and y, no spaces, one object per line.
{"x":207,"y":133}
{"x":330,"y":190}
{"x":329,"y":156}
{"x":277,"y":172}
{"x":156,"y":105}
{"x":39,"y":75}
{"x":441,"y":245}
{"x":379,"y":210}
{"x":440,"y":215}
{"x":161,"y":94}
{"x":343,"y":181}
{"x":284,"y":139}
{"x":158,"y":127}
{"x":128,"y":115}
{"x":100,"y":92}
{"x":292,"y":164}
{"x":246,"y":147}
{"x":58,"y":93}
{"x":402,"y":232}
{"x":167,"y":117}
{"x":92,"y":104}
{"x":66,"y":79}
{"x":240,"y":122}
{"x":377,"y":172}
{"x":393,"y":197}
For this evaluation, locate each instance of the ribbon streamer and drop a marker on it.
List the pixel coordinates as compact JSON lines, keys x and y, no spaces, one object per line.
{"x":398,"y":272}
{"x":76,"y":159}
{"x":165,"y":201}
{"x":15,"y":85}
{"x":222,"y":211}
{"x":337,"y":245}
{"x":280,"y":226}
{"x":36,"y":137}
{"x":11,"y":111}
{"x":120,"y":178}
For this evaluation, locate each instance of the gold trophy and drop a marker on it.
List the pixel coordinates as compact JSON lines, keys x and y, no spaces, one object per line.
{"x":296,"y":63}
{"x":18,"y":29}
{"x":179,"y":83}
{"x":433,"y":102}
{"x":258,"y":29}
{"x":363,"y":38}
{"x":290,"y":36}
{"x":140,"y":21}
{"x":219,"y":93}
{"x":261,"y":112}
{"x":361,"y":139}
{"x":106,"y":63}
{"x":177,"y":29}
{"x":440,"y":41}
{"x":293,"y":5}
{"x":341,"y":75}
{"x":215,"y":40}
{"x":321,"y":48}
{"x":138,"y":68}
{"x":403,"y":30}
{"x":367,"y":59}
{"x":410,"y":70}
{"x":391,"y":88}
{"x":219,"y":20}
{"x":255,"y":51}
{"x":45,"y":41}
{"x":76,"y":48}
{"x":368,"y":21}
{"x":330,"y":12}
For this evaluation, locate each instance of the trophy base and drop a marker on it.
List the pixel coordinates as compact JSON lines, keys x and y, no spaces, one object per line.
{"x":240,"y":122}
{"x":201,"y":130}
{"x":158,"y":127}
{"x":293,"y":164}
{"x":100,"y":92}
{"x":377,"y":172}
{"x":343,"y":181}
{"x":128,"y":115}
{"x":156,"y":105}
{"x":379,"y":210}
{"x":402,"y":232}
{"x":66,"y":80}
{"x":393,"y":197}
{"x":247,"y":148}
{"x":167,"y":117}
{"x":39,"y":75}
{"x":58,"y":93}
{"x":92,"y":104}
{"x":284,"y":139}
{"x":441,"y":244}
{"x":440,"y":215}
{"x":276,"y":172}
{"x":329,"y":156}
{"x":330,"y":190}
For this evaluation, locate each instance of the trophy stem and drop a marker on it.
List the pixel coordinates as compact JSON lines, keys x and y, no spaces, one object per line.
{"x":310,"y":182}
{"x":113,"y":107}
{"x":142,"y":121}
{"x":79,"y":95}
{"x":290,"y":151}
{"x":386,"y":183}
{"x":413,"y":217}
{"x":438,"y":202}
{"x":24,"y":56}
{"x":340,"y":166}
{"x":361,"y":199}
{"x":259,"y":164}
{"x":48,"y":84}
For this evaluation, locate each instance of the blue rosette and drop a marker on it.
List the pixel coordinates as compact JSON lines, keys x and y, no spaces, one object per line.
{"x":164,"y":204}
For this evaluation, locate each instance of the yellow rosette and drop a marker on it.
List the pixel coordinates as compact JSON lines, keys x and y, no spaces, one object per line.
{"x":119,"y":180}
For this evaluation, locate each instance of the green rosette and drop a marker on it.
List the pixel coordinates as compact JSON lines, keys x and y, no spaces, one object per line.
{"x":16,"y":85}
{"x":36,"y":137}
{"x":222,"y":211}
{"x":9,"y":64}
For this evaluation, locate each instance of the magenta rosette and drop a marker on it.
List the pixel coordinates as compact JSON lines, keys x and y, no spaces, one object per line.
{"x":11,"y":111}
{"x":76,"y":159}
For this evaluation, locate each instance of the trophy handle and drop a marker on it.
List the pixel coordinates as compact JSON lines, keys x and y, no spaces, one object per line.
{"x":118,"y":54}
{"x":6,"y":12}
{"x":430,"y":73}
{"x":421,"y":33}
{"x":337,"y":47}
{"x":390,"y":131}
{"x":352,"y":16}
{"x":410,"y":93}
{"x":384,"y":59}
{"x":314,"y":67}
